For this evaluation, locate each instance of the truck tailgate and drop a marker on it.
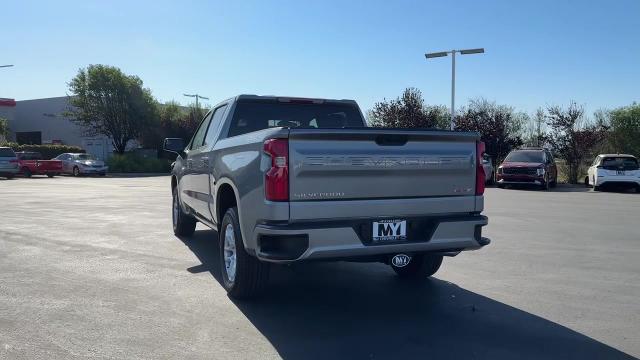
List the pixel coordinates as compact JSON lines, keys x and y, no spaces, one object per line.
{"x":374,"y":163}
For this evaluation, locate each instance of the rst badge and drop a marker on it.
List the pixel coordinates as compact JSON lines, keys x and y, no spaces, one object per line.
{"x":389,"y":230}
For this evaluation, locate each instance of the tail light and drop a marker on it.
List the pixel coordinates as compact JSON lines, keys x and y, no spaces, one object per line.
{"x":480,"y":175}
{"x":276,"y":180}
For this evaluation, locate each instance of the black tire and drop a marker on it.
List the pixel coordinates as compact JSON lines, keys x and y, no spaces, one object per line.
{"x":102,"y":174}
{"x":596,"y":188}
{"x":554,"y":183}
{"x":76,"y":171}
{"x":26,"y":172}
{"x":251,"y":275}
{"x":500,"y":186}
{"x":51,"y":175}
{"x":421,"y":265}
{"x":586,"y":181}
{"x":9,"y":176}
{"x":184,"y":225}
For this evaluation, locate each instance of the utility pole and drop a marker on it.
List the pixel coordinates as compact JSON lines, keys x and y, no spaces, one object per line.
{"x":197,"y":96}
{"x":453,"y":72}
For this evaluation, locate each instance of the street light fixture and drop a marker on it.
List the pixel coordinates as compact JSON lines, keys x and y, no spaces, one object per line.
{"x":453,"y":71}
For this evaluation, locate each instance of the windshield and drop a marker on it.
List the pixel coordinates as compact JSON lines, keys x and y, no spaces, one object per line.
{"x":532,"y":156}
{"x":84,"y":157}
{"x":619,"y":163}
{"x":253,"y":115}
{"x":7,"y":152}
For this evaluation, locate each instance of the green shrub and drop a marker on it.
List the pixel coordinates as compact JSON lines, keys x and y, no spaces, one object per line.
{"x":48,"y":151}
{"x":130,"y":163}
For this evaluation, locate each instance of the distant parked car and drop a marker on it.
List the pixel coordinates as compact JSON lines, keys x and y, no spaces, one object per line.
{"x":31,"y":163}
{"x":8,"y":163}
{"x":530,"y":166}
{"x":489,"y":171}
{"x":614,"y":170}
{"x":82,"y":164}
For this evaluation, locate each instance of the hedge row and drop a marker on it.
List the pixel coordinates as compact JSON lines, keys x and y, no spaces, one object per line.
{"x":47,"y":151}
{"x":131,"y":163}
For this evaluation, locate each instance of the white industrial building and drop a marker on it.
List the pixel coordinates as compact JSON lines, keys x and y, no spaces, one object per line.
{"x":42,"y":121}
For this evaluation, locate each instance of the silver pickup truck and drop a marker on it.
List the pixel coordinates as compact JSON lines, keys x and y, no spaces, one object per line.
{"x":289,"y":179}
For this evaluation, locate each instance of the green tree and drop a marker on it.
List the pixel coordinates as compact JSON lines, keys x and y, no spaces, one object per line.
{"x":499,"y":126}
{"x":408,"y":111}
{"x":625,"y":129}
{"x":4,"y":129}
{"x":106,"y":101}
{"x":572,"y":137}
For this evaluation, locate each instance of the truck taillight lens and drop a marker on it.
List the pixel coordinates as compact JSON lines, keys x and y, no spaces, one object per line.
{"x":276,"y":180}
{"x":480,"y":175}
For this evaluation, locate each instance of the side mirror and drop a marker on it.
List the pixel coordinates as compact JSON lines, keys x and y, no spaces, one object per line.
{"x":173,"y":145}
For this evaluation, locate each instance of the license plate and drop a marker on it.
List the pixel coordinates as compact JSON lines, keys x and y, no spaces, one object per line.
{"x":389,"y":230}
{"x":620,"y":172}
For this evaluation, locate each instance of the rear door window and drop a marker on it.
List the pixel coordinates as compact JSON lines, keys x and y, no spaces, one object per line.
{"x":214,"y":125}
{"x":198,"y":138}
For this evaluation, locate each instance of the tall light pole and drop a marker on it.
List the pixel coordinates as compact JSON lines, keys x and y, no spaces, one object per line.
{"x":197,"y":97}
{"x":453,"y":72}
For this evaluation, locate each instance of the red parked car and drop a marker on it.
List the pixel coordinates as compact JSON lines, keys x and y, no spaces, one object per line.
{"x":31,"y":163}
{"x":529,"y":166}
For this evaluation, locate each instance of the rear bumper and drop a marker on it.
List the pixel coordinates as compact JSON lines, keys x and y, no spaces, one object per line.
{"x":290,"y":242}
{"x":618,"y":181}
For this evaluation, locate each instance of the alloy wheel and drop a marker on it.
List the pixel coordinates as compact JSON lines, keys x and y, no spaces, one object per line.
{"x":230,"y":252}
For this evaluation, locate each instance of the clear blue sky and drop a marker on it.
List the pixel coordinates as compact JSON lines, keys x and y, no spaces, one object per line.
{"x":537,"y":52}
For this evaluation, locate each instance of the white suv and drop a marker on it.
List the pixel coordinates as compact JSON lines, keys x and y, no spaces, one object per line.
{"x":614,"y":170}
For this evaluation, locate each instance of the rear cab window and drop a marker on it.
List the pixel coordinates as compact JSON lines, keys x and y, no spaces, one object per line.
{"x":253,"y":115}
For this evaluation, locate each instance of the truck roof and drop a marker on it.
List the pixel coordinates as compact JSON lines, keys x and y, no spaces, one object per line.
{"x":291,"y":99}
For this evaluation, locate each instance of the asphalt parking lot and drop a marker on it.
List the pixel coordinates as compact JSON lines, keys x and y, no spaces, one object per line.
{"x":89,"y":268}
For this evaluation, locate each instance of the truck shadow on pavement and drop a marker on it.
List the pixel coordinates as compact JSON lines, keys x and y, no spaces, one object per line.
{"x":363,"y":311}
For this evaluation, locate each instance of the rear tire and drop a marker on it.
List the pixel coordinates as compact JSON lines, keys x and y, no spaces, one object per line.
{"x":243,"y":276}
{"x":51,"y":175}
{"x":76,"y":171}
{"x":421,"y":265}
{"x":184,"y":225}
{"x":26,"y":172}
